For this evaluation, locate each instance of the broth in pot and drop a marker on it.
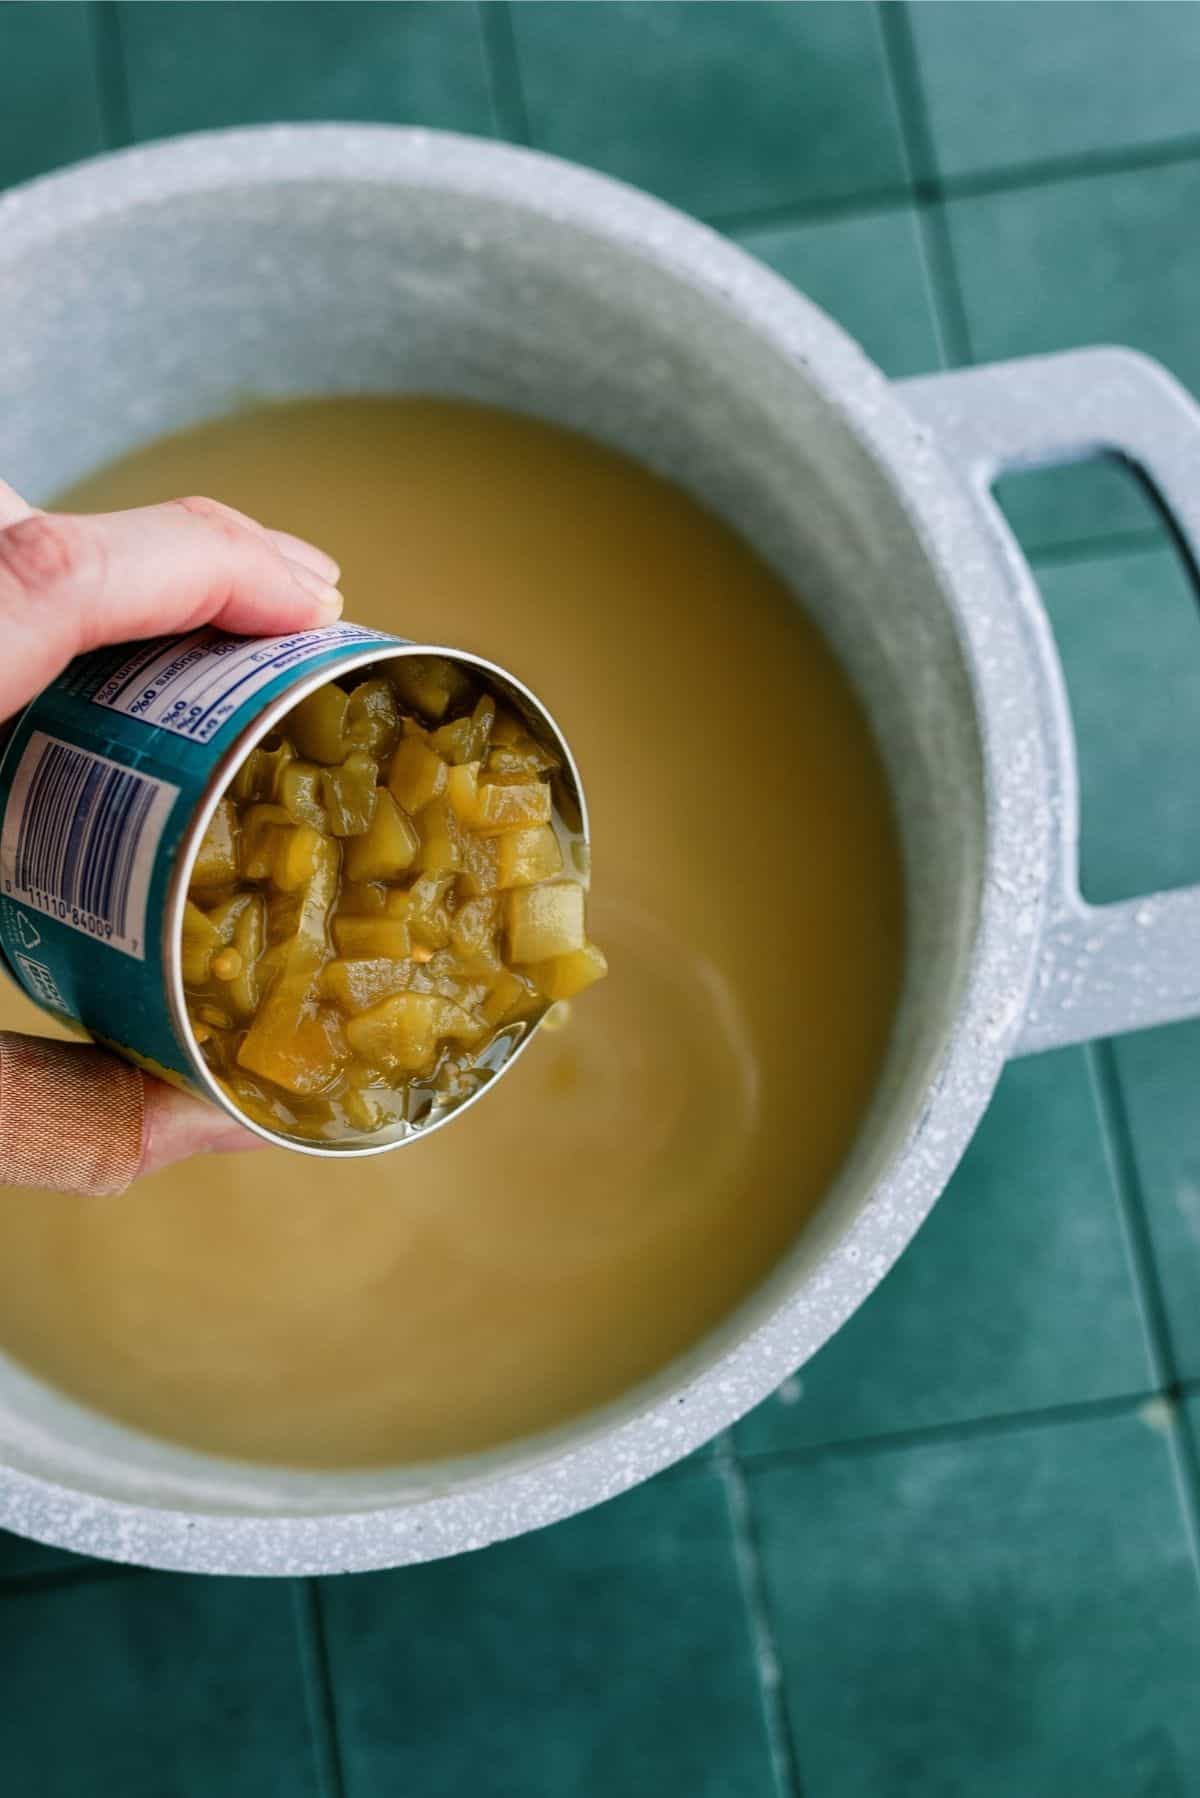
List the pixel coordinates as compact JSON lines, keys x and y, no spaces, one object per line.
{"x":644,"y":1165}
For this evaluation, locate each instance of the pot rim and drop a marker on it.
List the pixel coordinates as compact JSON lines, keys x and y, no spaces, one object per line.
{"x":713,"y":1385}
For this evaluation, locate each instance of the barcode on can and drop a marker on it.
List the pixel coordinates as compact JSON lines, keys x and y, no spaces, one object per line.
{"x":79,"y":840}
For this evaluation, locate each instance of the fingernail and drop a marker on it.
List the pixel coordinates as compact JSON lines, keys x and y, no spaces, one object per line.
{"x":325,"y":594}
{"x":298,"y":549}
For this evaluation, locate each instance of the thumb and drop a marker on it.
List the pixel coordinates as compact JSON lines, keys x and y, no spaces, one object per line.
{"x":68,"y":584}
{"x":176,"y":1126}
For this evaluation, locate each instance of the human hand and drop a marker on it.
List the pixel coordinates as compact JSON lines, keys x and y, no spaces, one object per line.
{"x":71,"y":1115}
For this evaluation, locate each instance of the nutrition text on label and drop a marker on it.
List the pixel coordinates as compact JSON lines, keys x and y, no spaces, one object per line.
{"x":196,"y":684}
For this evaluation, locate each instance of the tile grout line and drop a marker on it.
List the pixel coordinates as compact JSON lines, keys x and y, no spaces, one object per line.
{"x":748,"y":1561}
{"x":904,"y":80}
{"x":112,"y":84}
{"x":930,"y":1435}
{"x":319,"y":1697}
{"x":1185,"y":1453}
{"x":1086,"y":165}
{"x":1119,"y":1148}
{"x":949,"y":309}
{"x":1138,"y":541}
{"x":503,"y":70}
{"x":925,"y":190}
{"x":1122,"y":1161}
{"x":937,"y":251}
{"x":869,"y":200}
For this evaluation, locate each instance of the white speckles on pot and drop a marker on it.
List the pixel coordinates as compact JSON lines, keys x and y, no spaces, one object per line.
{"x":1094,"y":976}
{"x":171,"y":282}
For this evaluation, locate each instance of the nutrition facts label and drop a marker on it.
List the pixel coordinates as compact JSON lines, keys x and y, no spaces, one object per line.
{"x":195,"y":684}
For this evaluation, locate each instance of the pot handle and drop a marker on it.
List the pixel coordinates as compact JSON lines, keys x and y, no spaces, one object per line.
{"x":1108,"y":968}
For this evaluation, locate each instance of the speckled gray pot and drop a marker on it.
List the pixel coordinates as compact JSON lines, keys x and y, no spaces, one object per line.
{"x":150,"y":289}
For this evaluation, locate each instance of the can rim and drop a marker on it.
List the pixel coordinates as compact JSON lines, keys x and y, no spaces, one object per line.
{"x":395,"y":1136}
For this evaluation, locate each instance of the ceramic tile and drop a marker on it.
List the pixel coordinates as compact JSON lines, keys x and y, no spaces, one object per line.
{"x":1078,"y":506}
{"x":20,"y":1557}
{"x":154,"y":1687}
{"x":1191,"y":1417}
{"x":1020,"y":82}
{"x":1100,"y":259}
{"x":1158,"y":1078}
{"x":721,"y":108}
{"x":49,"y":100}
{"x":1016,"y":1613}
{"x":195,"y":65}
{"x":1016,"y":1294}
{"x":606,"y":1655}
{"x":868,"y":272}
{"x":1128,"y":630}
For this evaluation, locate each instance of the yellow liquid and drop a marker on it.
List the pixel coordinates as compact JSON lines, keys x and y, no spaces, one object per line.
{"x":638,"y":1171}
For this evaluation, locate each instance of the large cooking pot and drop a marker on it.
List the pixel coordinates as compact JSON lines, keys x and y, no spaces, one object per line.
{"x":147,"y":290}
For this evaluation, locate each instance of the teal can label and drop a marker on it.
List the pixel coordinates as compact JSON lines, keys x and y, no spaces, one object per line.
{"x":100,"y":781}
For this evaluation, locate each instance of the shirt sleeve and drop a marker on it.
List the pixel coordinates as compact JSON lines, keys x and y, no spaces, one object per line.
{"x":71,"y":1116}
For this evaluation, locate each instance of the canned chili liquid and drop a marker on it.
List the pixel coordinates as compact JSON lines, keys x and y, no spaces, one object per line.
{"x":108,"y":782}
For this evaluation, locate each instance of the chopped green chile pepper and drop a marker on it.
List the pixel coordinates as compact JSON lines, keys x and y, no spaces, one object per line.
{"x":216,"y":860}
{"x":378,"y":893}
{"x":373,"y":937}
{"x":249,"y":940}
{"x":291,"y":1041}
{"x":356,"y":983}
{"x":428,"y":685}
{"x":349,"y":793}
{"x":317,"y":726}
{"x":466,"y":739}
{"x":372,"y":716}
{"x":256,"y":848}
{"x":300,"y":794}
{"x":297,"y":853}
{"x":385,"y":850}
{"x":259,"y":775}
{"x":417,"y":775}
{"x":365,"y":899}
{"x":199,"y":941}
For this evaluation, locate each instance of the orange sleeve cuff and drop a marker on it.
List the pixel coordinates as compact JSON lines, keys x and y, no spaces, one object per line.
{"x":71,"y":1116}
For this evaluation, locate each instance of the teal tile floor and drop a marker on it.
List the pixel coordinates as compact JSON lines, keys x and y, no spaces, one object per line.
{"x":722,"y":108}
{"x":50,"y":89}
{"x":189,"y":67}
{"x":972,"y":1322}
{"x":1098,"y":256}
{"x":1017,"y":1619}
{"x":1012,"y":86}
{"x":868,"y":269}
{"x":611,"y":1654}
{"x":957,"y":1554}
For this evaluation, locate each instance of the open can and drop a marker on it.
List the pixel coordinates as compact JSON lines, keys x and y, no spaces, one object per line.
{"x":108,"y":781}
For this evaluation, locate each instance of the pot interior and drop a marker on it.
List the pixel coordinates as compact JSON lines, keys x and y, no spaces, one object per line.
{"x":181,"y":307}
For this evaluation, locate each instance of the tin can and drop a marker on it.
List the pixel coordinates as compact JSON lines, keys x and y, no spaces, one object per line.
{"x":108,"y":781}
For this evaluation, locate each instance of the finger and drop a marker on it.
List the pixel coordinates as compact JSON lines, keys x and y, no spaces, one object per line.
{"x":303,"y":575}
{"x":12,"y":506}
{"x":177,"y":1126}
{"x":69,"y":583}
{"x":296,"y":549}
